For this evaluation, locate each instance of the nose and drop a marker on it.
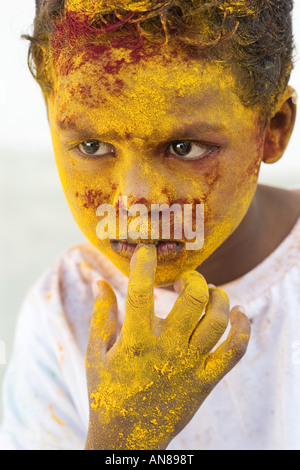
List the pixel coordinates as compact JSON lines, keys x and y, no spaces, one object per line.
{"x":141,"y":182}
{"x":137,"y":184}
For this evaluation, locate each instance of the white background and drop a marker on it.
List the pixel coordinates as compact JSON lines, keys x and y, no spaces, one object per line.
{"x":35,"y":221}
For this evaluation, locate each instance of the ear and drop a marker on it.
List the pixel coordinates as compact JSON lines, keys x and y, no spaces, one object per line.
{"x":280,"y":126}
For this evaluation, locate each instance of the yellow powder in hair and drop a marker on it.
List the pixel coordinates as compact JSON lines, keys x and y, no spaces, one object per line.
{"x":106,"y":6}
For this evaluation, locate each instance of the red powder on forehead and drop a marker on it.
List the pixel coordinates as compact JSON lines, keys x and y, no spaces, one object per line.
{"x":65,"y":33}
{"x":74,"y":27}
{"x":93,"y":50}
{"x":79,"y":41}
{"x":99,"y":52}
{"x":119,"y":83}
{"x":85,"y":90}
{"x":114,"y":68}
{"x":77,"y":33}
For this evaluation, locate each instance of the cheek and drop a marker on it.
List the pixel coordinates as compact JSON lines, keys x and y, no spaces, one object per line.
{"x":231,"y":196}
{"x":226,"y":184}
{"x":84,"y":201}
{"x":87,"y":198}
{"x":85,"y":187}
{"x":91,"y":198}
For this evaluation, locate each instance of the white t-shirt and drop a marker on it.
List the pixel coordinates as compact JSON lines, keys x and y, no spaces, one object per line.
{"x":256,"y":406}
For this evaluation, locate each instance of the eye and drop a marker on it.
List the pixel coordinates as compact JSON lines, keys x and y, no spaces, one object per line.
{"x":190,"y":150}
{"x":95,"y":148}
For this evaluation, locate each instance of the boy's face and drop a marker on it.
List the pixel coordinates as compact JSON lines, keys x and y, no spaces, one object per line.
{"x":173,"y":131}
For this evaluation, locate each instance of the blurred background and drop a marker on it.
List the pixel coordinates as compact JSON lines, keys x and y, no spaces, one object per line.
{"x":35,"y":221}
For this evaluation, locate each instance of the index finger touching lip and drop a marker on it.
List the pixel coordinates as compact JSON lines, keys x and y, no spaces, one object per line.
{"x":140,"y":293}
{"x":144,"y":258}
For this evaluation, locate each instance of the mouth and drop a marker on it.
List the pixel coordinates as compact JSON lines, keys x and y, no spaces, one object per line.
{"x":165,"y":248}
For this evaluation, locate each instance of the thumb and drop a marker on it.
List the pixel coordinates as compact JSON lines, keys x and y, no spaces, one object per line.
{"x":104,"y":324}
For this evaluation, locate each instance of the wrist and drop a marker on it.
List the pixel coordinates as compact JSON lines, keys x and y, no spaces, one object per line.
{"x":120,"y":435}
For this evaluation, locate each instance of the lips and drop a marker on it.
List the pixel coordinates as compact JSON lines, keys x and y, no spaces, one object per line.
{"x":165,"y":248}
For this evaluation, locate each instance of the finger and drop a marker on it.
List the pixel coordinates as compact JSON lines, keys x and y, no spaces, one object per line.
{"x":213,"y":323}
{"x":139,"y":315}
{"x":229,"y":353}
{"x":191,"y":302}
{"x":104,"y":323}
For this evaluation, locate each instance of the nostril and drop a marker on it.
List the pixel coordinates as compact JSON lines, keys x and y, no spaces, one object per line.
{"x":121,"y":203}
{"x":142,"y":200}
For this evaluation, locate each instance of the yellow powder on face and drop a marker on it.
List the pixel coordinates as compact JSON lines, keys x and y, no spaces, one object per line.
{"x":138,"y":109}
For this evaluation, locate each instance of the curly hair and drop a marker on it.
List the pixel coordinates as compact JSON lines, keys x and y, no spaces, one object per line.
{"x":253,"y":37}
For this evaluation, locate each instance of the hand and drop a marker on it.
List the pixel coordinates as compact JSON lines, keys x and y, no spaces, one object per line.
{"x":146,"y":385}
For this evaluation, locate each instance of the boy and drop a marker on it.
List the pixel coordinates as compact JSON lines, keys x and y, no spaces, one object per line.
{"x":162,"y":103}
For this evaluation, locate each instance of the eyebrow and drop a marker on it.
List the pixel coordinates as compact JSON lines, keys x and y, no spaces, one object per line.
{"x":72,"y":127}
{"x":69,"y":123}
{"x":202,"y":126}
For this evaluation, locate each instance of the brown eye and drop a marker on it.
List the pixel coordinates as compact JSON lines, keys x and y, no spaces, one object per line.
{"x":96,"y":148}
{"x":189,"y":150}
{"x":181,"y":148}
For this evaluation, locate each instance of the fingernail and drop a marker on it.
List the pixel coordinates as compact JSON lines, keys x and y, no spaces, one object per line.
{"x":149,"y":251}
{"x":241,"y":308}
{"x":210,"y":285}
{"x":177,"y":286}
{"x":138,"y":247}
{"x":133,"y":258}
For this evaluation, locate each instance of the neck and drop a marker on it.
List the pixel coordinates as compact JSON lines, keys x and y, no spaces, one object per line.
{"x":241,"y":252}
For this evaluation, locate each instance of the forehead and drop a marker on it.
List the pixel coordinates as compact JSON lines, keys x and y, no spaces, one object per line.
{"x":110,"y":67}
{"x":145,"y":86}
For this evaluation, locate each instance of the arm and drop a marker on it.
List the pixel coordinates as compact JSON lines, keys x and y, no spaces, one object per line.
{"x":147,"y":385}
